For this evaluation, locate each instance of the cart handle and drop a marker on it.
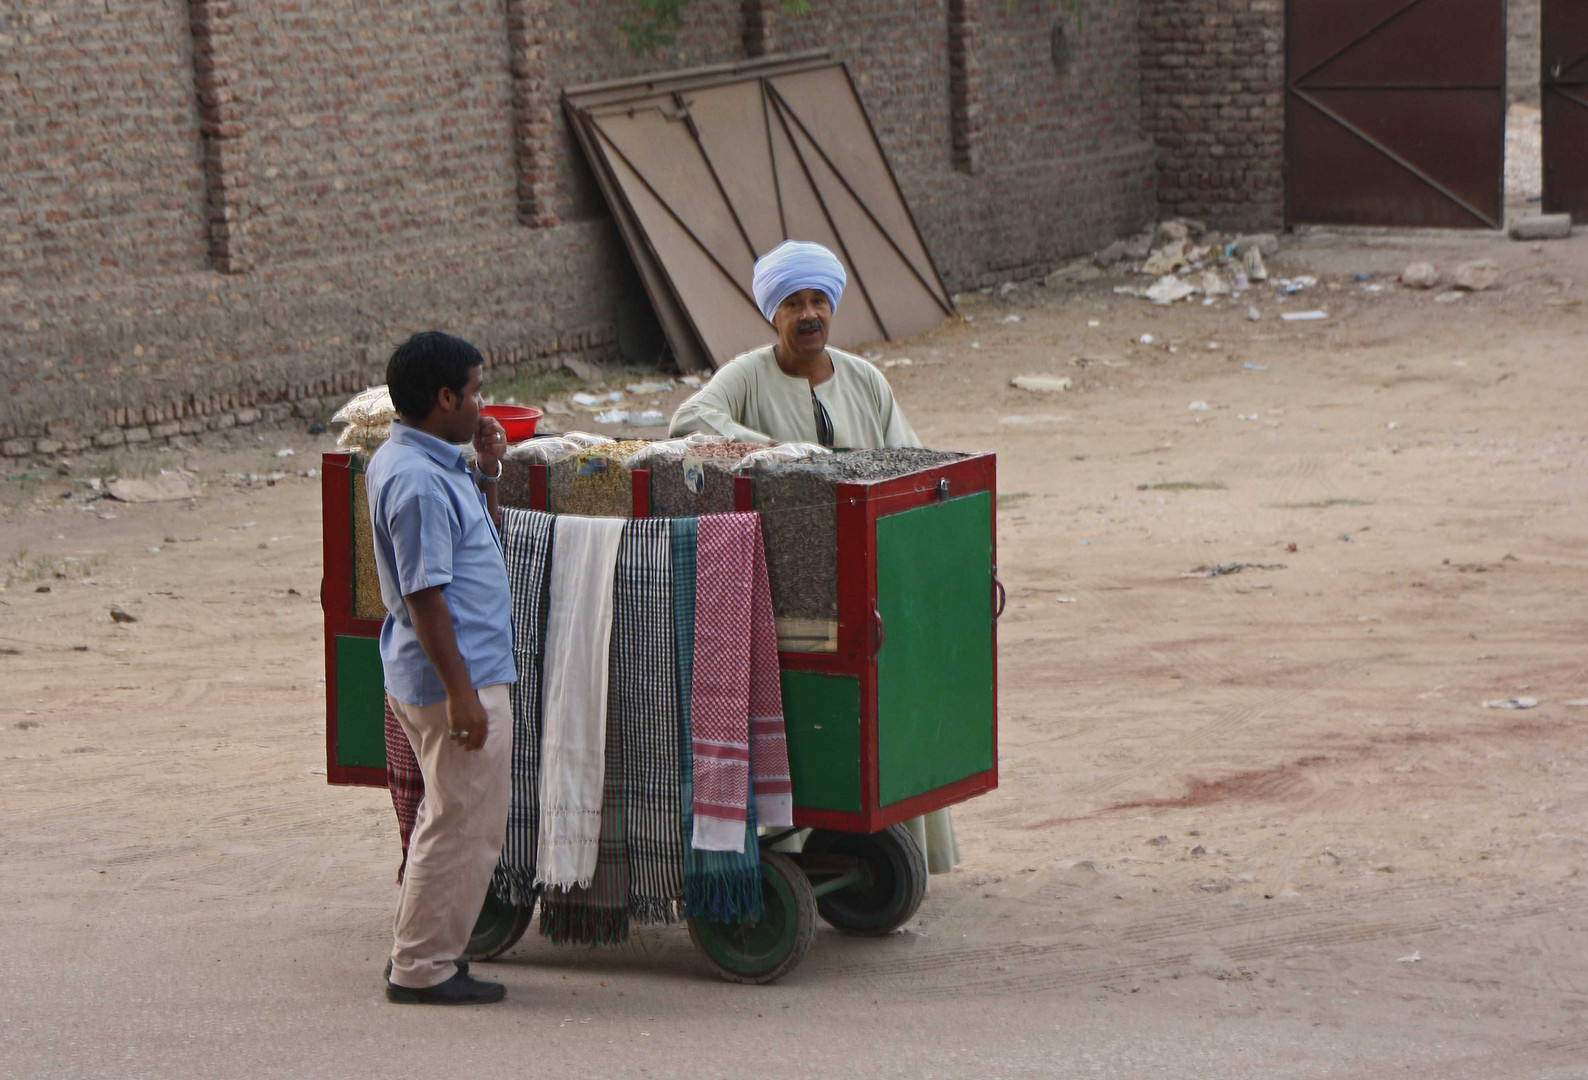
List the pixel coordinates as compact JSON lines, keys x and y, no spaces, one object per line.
{"x":1003,"y":598}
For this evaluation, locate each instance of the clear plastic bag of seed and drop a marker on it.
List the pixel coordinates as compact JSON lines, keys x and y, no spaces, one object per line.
{"x":370,"y":408}
{"x":778,"y":455}
{"x":662,"y":450}
{"x":543,"y":449}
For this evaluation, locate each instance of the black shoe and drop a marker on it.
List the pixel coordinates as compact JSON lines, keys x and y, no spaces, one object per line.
{"x":458,"y":990}
{"x":463,"y":967}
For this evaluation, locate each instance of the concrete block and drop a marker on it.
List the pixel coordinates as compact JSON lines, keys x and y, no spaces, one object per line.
{"x":16,"y":447}
{"x":247,"y":416}
{"x":138,"y":434}
{"x":110,"y":437}
{"x":1541,"y":227}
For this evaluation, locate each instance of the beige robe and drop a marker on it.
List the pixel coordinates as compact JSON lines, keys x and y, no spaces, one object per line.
{"x":752,"y":399}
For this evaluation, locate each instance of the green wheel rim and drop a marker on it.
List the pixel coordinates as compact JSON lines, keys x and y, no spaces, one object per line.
{"x":498,"y":922}
{"x":755,"y":949}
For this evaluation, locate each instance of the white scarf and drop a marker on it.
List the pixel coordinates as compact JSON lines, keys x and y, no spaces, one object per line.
{"x":573,"y":739}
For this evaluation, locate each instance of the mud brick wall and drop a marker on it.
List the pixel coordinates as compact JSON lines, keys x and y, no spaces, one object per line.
{"x":1212,"y":91}
{"x":216,"y":213}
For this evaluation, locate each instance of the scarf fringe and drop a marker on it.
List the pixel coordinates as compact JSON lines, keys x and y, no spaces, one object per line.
{"x":580,"y":924}
{"x":654,"y":912}
{"x":514,"y":887}
{"x":725,"y":896}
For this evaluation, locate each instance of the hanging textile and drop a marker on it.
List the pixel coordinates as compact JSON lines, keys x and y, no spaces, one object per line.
{"x":527,"y":550}
{"x":574,"y":699}
{"x":596,"y":914}
{"x":641,"y":703}
{"x":722,"y":886}
{"x":736,"y":706}
{"x":404,"y":780}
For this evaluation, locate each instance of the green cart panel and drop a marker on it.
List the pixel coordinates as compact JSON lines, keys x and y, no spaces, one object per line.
{"x":934,"y":673}
{"x":822,"y":714}
{"x":360,"y":703}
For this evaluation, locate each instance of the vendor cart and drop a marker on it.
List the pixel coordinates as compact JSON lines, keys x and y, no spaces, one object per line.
{"x":890,"y":713}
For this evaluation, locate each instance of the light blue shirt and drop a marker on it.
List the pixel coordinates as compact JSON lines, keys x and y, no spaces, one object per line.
{"x":431,"y":527}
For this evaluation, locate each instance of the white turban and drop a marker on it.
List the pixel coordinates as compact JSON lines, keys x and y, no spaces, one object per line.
{"x":794,"y":265}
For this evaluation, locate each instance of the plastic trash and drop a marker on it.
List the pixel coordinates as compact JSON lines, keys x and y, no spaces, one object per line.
{"x":1042,"y":384}
{"x":1168,"y":289}
{"x":1304,"y":316}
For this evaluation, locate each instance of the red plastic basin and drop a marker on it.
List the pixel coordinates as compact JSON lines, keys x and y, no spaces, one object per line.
{"x":517,"y":420}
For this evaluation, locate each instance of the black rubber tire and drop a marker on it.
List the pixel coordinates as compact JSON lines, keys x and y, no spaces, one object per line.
{"x":498,"y":928}
{"x":775,"y":945}
{"x":898,"y":873}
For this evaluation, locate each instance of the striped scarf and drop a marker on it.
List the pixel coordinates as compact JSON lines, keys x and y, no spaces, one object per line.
{"x":527,"y":549}
{"x":736,"y":707}
{"x":722,"y":886}
{"x":642,"y":662}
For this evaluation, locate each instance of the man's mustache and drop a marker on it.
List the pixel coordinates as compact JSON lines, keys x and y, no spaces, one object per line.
{"x":807,"y":326}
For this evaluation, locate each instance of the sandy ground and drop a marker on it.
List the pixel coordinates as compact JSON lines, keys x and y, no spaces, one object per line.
{"x":1258,"y":824}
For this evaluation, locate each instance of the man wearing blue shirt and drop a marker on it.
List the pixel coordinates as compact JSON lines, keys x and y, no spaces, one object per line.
{"x":447,"y":650}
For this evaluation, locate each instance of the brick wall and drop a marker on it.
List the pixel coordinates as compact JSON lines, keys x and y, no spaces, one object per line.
{"x":217,"y":212}
{"x":101,"y":178}
{"x":1212,"y":92}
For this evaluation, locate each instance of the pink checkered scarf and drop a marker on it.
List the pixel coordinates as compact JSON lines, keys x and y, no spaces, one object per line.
{"x":736,"y":707}
{"x":403,"y":779}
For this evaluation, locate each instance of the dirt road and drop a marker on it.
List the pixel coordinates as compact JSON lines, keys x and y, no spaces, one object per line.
{"x":1252,"y":823}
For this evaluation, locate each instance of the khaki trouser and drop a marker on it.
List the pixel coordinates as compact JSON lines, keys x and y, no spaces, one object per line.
{"x":457,"y":837}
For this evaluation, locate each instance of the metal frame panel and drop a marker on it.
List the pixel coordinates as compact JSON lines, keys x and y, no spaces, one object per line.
{"x":667,"y":170}
{"x":1564,"y":85}
{"x":336,"y":601}
{"x":1395,"y":113}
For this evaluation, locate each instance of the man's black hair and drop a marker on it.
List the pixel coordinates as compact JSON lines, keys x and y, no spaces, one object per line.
{"x":422,"y":365}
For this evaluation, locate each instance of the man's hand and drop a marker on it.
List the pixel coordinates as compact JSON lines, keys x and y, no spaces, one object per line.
{"x":466,"y":720}
{"x":490,"y":444}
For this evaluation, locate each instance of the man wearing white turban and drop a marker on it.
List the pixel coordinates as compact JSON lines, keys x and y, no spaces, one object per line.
{"x":801,"y":390}
{"x":798,"y":389}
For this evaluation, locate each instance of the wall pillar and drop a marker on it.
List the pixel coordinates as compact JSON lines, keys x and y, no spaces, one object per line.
{"x":966,"y":120}
{"x":535,"y":128}
{"x":760,"y":27}
{"x":215,"y":78}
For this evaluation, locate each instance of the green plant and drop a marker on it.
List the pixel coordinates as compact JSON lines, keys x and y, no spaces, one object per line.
{"x":659,"y":20}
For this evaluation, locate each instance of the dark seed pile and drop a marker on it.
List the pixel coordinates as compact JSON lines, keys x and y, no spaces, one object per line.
{"x":671,"y":498}
{"x":798,"y":507}
{"x":513,"y":488}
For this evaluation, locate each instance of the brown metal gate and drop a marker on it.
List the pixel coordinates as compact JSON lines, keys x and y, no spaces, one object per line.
{"x":1395,"y":113}
{"x":1565,"y":102}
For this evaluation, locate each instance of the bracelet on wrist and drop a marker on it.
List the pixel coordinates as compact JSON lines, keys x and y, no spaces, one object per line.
{"x":488,"y":479}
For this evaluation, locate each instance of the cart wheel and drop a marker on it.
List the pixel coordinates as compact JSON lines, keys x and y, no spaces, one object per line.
{"x":766,"y":950}
{"x":498,"y":928}
{"x":897,"y":872}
